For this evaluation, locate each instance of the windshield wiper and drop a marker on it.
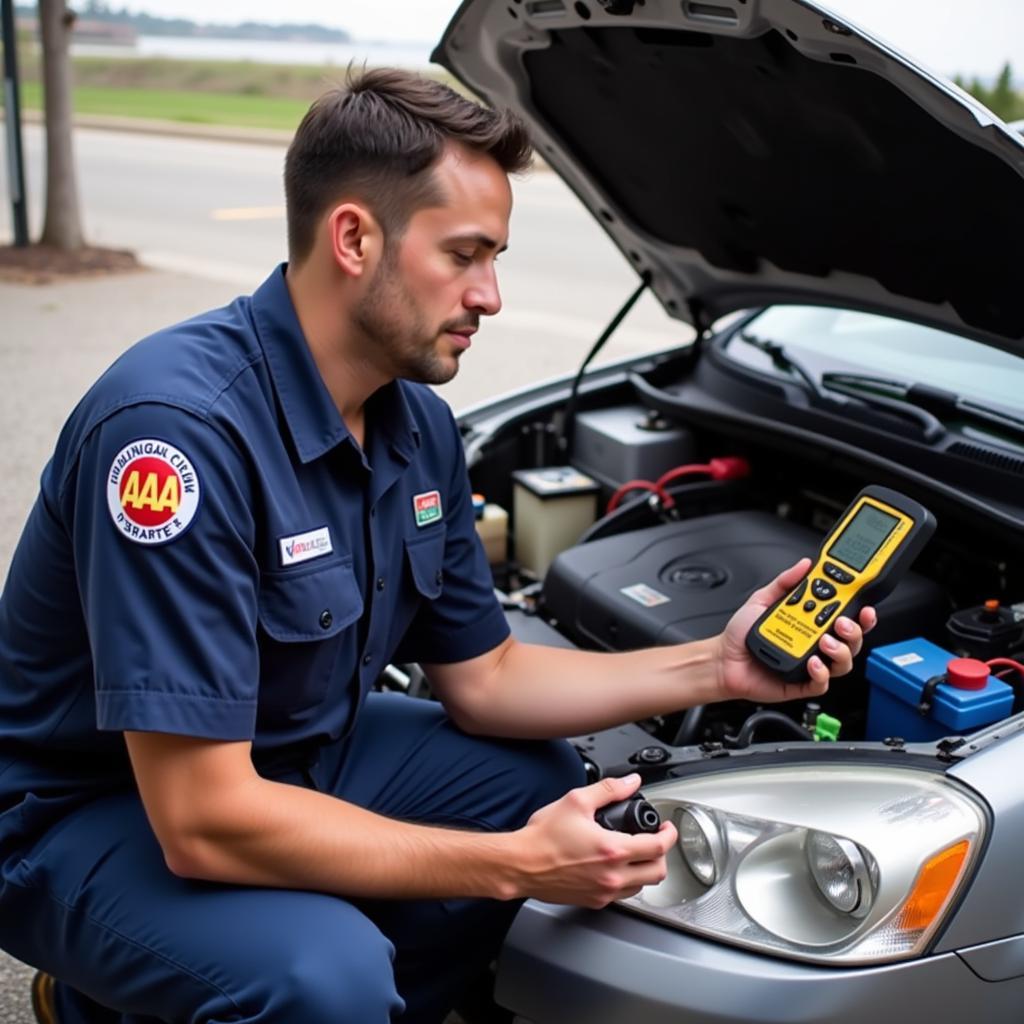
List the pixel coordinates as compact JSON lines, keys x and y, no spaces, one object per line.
{"x":888,"y":395}
{"x":783,"y":361}
{"x":936,"y":402}
{"x":925,"y":422}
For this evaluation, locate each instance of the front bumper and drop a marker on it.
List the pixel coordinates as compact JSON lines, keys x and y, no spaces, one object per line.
{"x":562,"y":965}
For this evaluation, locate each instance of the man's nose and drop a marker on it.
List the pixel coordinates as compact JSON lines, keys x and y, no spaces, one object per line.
{"x":483,"y":295}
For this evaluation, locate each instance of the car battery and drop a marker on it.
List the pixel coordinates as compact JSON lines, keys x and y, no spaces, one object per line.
{"x":898,"y":674}
{"x":629,"y":442}
{"x":683,"y":581}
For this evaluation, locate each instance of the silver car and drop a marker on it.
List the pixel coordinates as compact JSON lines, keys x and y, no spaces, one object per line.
{"x":842,"y":230}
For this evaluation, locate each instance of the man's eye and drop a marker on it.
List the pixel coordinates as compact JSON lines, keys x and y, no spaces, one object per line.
{"x":462,"y":258}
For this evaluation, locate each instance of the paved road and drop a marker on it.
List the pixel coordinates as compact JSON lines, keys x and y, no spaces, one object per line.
{"x":215,"y":210}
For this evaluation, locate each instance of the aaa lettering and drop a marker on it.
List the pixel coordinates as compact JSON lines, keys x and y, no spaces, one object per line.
{"x":146,"y":492}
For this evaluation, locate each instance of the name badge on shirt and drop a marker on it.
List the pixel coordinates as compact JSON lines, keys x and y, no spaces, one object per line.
{"x":427,"y":507}
{"x":303,"y":546}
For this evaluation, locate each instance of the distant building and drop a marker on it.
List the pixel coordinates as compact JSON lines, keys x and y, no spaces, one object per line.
{"x":108,"y":33}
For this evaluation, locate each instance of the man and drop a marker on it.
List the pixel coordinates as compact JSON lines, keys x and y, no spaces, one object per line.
{"x":204,"y":816}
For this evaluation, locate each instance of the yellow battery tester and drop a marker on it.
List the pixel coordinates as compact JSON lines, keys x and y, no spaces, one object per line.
{"x":871,"y":546}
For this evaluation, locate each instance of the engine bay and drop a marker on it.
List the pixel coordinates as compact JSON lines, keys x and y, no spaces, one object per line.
{"x":689,"y":512}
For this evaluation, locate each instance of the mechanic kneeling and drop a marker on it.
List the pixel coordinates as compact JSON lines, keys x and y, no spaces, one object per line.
{"x":244,"y":520}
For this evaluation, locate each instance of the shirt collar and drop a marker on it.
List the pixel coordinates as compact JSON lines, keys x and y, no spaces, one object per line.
{"x":313,"y":419}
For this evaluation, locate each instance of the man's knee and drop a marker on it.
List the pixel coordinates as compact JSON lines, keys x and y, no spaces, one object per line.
{"x":546,"y":770}
{"x":562,"y":768}
{"x":334,"y":979}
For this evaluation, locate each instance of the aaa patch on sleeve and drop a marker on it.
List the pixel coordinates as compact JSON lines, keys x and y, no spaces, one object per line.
{"x":152,"y":491}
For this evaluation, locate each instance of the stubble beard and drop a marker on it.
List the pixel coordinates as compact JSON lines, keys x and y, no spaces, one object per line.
{"x":398,"y":332}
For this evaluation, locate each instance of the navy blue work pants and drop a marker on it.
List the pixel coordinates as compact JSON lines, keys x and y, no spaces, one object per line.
{"x":96,"y":906}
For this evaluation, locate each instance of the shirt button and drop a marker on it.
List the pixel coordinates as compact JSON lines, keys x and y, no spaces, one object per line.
{"x":380,"y":582}
{"x":326,"y":618}
{"x":439,"y":577}
{"x":367,"y":658}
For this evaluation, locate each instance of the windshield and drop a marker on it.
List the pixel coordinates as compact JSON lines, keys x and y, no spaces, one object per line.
{"x":844,"y":341}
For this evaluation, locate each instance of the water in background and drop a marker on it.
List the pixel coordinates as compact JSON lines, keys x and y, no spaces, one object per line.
{"x":407,"y":55}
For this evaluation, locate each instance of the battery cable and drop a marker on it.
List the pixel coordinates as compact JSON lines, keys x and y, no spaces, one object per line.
{"x":729,"y":467}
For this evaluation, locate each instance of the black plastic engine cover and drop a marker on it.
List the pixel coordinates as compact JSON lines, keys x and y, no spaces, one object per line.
{"x":682,"y":581}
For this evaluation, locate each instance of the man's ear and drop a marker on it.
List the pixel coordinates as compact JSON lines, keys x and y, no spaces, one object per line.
{"x":355,"y":237}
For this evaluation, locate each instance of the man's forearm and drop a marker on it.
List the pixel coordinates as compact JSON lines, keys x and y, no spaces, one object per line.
{"x":217,"y":820}
{"x":538,"y":692}
{"x":273,"y":834}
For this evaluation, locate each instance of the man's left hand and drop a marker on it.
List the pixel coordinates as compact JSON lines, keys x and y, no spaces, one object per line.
{"x":743,"y":677}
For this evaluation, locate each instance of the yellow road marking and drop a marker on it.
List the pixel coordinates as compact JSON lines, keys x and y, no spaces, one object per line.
{"x":248,"y":213}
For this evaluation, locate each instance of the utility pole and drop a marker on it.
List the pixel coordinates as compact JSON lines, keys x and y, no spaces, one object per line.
{"x":12,"y":119}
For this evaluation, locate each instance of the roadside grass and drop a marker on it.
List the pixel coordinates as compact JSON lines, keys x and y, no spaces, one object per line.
{"x":238,"y":77}
{"x":244,"y":94}
{"x":180,"y":106}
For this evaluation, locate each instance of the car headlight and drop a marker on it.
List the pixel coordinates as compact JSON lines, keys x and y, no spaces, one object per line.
{"x":832,"y":864}
{"x":701,"y":844}
{"x":841,"y":872}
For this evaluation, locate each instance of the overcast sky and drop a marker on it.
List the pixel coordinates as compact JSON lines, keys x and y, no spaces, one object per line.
{"x":975,"y":38}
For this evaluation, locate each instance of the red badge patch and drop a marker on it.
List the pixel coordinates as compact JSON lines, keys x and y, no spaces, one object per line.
{"x":427,"y":507}
{"x":152,"y":491}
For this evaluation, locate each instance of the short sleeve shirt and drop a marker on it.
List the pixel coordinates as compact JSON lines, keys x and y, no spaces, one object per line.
{"x":211,"y":554}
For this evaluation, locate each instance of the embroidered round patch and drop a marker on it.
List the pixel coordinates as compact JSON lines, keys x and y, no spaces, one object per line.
{"x":152,"y":491}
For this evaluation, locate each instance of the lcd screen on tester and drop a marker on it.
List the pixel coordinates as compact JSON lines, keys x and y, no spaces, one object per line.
{"x":863,"y":536}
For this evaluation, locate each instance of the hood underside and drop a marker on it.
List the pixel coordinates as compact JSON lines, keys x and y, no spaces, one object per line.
{"x":746,"y":152}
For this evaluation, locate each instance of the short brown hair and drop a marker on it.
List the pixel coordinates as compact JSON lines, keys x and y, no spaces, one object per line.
{"x":377,"y":137}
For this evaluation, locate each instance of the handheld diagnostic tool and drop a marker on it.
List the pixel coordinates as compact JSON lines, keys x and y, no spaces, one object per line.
{"x":863,"y":558}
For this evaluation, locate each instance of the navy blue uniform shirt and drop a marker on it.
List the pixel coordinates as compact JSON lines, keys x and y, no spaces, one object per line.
{"x":212,"y":555}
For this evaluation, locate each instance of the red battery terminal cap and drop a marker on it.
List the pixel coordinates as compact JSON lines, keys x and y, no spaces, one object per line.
{"x":967,"y":673}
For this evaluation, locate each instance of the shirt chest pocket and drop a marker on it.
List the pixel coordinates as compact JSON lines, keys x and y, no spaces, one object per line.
{"x":304,"y":622}
{"x":426,"y":561}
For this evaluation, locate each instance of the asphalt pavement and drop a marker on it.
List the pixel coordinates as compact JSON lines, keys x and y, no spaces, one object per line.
{"x":214,"y":208}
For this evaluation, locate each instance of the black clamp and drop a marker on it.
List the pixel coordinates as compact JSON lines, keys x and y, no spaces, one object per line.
{"x":928,"y":694}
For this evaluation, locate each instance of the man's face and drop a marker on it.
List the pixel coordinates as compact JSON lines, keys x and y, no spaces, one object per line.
{"x":432,"y":286}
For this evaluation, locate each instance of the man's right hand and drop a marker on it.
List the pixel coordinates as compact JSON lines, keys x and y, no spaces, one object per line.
{"x":570,"y":858}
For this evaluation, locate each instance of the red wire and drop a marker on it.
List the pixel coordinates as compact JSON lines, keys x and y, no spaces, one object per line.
{"x":721,"y":469}
{"x":1006,"y":663}
{"x":637,"y":485}
{"x":675,"y":474}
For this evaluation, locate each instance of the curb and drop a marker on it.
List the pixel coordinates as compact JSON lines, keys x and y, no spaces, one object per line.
{"x":177,"y":129}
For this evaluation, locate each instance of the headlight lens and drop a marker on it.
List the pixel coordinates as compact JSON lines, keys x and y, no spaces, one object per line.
{"x":701,"y":844}
{"x":830,"y":864}
{"x":840,"y":871}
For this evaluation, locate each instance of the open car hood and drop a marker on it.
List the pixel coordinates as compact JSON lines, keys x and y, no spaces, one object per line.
{"x":746,"y":152}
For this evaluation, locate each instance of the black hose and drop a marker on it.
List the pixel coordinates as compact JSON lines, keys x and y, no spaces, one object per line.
{"x":759,"y":718}
{"x":686,"y":734}
{"x":630,"y":515}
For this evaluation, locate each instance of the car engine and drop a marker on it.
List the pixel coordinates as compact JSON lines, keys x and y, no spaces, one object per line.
{"x":671,"y":526}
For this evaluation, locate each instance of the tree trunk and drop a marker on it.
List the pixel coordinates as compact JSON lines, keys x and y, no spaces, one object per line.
{"x":62,"y":227}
